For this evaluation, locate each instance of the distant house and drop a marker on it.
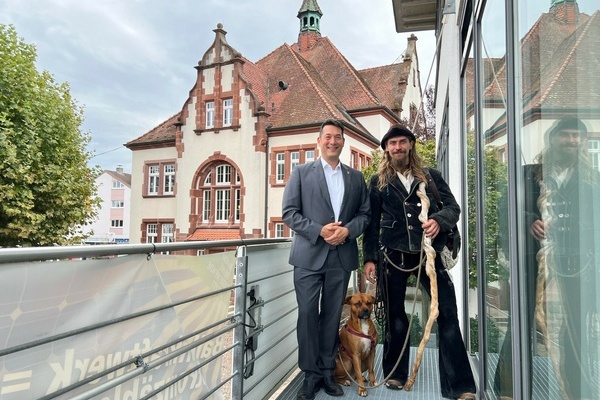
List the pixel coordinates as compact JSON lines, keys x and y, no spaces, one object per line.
{"x":113,"y":222}
{"x":217,"y":168}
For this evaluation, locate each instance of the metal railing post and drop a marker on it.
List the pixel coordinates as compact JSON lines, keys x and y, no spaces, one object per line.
{"x":241,"y":277}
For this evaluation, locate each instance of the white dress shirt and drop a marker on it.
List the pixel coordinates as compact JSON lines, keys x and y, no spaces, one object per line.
{"x":335,"y":185}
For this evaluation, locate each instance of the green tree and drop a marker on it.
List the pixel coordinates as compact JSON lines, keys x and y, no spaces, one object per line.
{"x":47,"y":189}
{"x":495,"y":178}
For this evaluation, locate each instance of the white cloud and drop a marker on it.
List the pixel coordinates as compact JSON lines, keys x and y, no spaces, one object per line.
{"x":131,"y":63}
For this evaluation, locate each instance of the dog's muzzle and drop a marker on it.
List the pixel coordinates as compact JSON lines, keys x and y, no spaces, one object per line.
{"x":364,"y":314}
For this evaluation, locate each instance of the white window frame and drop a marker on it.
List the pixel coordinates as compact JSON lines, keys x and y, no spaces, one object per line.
{"x":220,"y":199}
{"x":309,"y":156}
{"x":117,"y":203}
{"x":168,"y":235}
{"x":238,"y":205}
{"x":294,"y":159}
{"x":280,"y":167}
{"x":151,"y":233}
{"x":223,"y":174}
{"x":222,"y":205}
{"x":117,"y":184}
{"x":116,"y":223}
{"x":169,"y":179}
{"x":227,"y":112}
{"x":210,"y":114}
{"x":279,"y":229}
{"x":153,"y":179}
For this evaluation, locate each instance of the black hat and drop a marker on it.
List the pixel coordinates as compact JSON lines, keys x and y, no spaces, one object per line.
{"x":568,"y":122}
{"x":397,"y":130}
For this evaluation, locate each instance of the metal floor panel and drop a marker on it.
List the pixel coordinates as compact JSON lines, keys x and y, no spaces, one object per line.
{"x":427,"y":386}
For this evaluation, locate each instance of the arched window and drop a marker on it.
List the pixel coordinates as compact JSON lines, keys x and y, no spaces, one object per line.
{"x":221,"y":195}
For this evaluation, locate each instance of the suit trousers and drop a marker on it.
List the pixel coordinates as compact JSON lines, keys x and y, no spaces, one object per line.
{"x":456,"y":376}
{"x":320,"y":295}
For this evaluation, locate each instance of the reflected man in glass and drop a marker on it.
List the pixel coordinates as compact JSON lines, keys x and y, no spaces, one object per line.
{"x":562,"y":214}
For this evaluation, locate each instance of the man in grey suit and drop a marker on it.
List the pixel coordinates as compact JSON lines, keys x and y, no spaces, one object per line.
{"x":326,"y":204}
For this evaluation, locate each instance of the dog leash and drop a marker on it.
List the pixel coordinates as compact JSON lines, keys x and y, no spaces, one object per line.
{"x":410,"y":322}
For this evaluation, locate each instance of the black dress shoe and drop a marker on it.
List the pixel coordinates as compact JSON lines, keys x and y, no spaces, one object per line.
{"x":331,"y":387}
{"x":308,"y":390}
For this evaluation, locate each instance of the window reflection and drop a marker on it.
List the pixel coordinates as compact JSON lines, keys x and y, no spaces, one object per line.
{"x":558,"y":99}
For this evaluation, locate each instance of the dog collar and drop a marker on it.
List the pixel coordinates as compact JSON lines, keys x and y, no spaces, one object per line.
{"x":360,"y":334}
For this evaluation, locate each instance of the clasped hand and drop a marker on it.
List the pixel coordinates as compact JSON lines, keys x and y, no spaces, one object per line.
{"x":334,"y":233}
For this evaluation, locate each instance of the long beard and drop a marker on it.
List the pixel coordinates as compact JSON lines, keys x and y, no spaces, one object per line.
{"x":400,"y":165}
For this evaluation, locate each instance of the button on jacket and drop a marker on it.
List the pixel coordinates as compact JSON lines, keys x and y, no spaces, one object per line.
{"x":395,"y":213}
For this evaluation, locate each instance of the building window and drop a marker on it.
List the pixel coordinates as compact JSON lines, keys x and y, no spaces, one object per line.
{"x":206,"y":205}
{"x":169,"y":186}
{"x":160,"y":179}
{"x":210,"y":114}
{"x":227,"y":112}
{"x":238,"y":205}
{"x":359,"y":159}
{"x":151,"y":233}
{"x":118,"y":204}
{"x":160,"y":232}
{"x":117,"y":184}
{"x":153,"y":179}
{"x":221,"y":195}
{"x":116,"y":223}
{"x":167,"y":233}
{"x":285,"y":159}
{"x":222,"y":205}
{"x":279,"y":229}
{"x":280,"y":167}
{"x":294,"y":159}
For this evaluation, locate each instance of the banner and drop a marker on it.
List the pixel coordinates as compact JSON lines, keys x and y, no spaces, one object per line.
{"x":43,"y":299}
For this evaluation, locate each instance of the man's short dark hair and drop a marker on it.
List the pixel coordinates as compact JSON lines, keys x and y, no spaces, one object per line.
{"x":333,"y":122}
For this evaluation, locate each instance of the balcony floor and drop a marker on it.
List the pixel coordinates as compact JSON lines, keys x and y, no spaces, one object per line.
{"x":427,"y":386}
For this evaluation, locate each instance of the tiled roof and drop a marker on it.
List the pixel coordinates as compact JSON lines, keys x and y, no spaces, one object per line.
{"x":214,"y":234}
{"x":555,"y":55}
{"x":163,"y":133}
{"x":558,"y":87}
{"x":120,"y":176}
{"x":556,"y":58}
{"x":321,"y":83}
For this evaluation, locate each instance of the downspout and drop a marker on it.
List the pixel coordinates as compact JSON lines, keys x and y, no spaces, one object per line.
{"x":266,"y":223}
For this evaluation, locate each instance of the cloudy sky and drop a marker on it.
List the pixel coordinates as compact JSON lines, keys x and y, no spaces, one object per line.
{"x":130,"y":63}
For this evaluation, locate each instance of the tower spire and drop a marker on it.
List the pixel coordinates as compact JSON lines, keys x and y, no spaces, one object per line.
{"x":310,"y":24}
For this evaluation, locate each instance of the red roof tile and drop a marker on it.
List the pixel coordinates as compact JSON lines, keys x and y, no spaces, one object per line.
{"x":214,"y":234}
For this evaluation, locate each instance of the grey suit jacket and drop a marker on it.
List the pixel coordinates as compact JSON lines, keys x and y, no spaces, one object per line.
{"x":307,"y":208}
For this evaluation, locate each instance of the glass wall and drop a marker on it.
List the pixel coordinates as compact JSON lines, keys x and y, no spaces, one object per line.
{"x":558,"y":190}
{"x":493,"y":149}
{"x":535,"y":124}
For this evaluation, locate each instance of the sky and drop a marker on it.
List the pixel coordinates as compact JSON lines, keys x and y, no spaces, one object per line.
{"x":130,"y":63}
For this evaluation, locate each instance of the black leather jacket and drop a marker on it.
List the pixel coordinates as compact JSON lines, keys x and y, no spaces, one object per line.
{"x":395,"y":214}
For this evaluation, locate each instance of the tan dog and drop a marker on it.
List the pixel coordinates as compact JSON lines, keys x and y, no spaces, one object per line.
{"x":357,"y":344}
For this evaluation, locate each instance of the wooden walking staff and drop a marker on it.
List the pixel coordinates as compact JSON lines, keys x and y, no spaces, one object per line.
{"x":542,"y":257}
{"x":430,"y":271}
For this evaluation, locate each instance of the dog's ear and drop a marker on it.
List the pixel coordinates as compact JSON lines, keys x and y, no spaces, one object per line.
{"x":371,"y":299}
{"x":348,"y":299}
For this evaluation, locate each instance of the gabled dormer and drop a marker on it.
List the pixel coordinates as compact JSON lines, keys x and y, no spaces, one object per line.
{"x":310,"y":24}
{"x":217,"y":86}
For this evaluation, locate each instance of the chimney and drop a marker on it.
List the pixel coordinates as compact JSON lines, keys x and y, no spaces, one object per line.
{"x":120,"y":169}
{"x":565,"y":11}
